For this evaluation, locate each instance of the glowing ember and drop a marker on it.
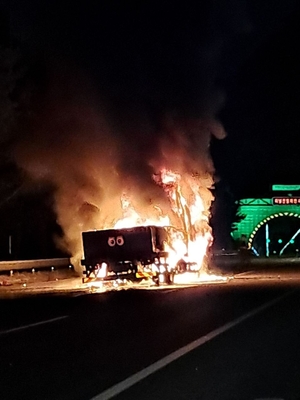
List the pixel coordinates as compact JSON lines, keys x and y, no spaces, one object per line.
{"x":186,"y":279}
{"x":190,"y":239}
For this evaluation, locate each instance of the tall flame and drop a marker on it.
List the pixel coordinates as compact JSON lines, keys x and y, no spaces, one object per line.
{"x":189,"y":232}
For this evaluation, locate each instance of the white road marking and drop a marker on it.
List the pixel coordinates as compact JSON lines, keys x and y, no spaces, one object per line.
{"x":20,"y":328}
{"x":137,"y":377}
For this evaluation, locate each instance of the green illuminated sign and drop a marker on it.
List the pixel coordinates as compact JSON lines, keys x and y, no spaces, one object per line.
{"x":285,"y":188}
{"x":257,"y":213}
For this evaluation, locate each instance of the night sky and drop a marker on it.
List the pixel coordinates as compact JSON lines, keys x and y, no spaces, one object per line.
{"x":235,"y":61}
{"x":261,"y":115}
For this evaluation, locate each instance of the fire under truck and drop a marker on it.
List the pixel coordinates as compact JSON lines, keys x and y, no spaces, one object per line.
{"x":133,"y":254}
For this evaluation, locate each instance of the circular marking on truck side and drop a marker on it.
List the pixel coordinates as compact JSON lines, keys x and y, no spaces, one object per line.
{"x":111,"y":241}
{"x":120,"y":240}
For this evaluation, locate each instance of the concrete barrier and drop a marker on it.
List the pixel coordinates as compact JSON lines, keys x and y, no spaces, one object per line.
{"x":55,"y":263}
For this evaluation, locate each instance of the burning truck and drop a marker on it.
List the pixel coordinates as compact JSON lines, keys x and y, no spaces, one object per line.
{"x":141,"y":252}
{"x":157,"y":248}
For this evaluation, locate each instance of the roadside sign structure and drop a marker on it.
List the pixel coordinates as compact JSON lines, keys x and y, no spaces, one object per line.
{"x":271,"y":221}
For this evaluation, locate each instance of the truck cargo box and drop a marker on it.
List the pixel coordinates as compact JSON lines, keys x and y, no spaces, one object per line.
{"x":121,"y":245}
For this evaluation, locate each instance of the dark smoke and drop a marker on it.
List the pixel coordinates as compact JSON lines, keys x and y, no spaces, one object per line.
{"x":138,"y":94}
{"x":72,"y":144}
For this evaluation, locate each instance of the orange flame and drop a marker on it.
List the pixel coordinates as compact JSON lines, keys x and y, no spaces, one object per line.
{"x":191,"y":237}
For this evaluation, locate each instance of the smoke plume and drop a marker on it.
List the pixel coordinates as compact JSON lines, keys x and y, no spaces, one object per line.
{"x":92,"y":163}
{"x":95,"y":139}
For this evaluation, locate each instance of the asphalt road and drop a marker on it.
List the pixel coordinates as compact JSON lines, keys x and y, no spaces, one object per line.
{"x":63,"y":347}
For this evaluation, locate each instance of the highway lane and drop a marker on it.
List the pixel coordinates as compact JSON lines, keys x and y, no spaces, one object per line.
{"x":105,"y":338}
{"x":18,"y":312}
{"x":257,"y":359}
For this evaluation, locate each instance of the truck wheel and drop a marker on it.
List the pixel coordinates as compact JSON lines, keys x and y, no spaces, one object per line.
{"x":156,"y":280}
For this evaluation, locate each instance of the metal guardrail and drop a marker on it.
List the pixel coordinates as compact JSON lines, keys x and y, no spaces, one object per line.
{"x":59,"y":263}
{"x":55,"y":263}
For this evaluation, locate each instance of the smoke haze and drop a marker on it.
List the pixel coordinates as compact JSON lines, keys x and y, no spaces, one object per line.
{"x":116,"y":104}
{"x":91,"y":162}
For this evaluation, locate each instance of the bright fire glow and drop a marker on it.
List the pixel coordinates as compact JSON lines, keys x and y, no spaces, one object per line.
{"x":191,"y":237}
{"x":194,"y":278}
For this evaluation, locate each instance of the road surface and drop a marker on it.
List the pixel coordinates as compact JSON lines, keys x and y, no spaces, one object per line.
{"x":242,"y":340}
